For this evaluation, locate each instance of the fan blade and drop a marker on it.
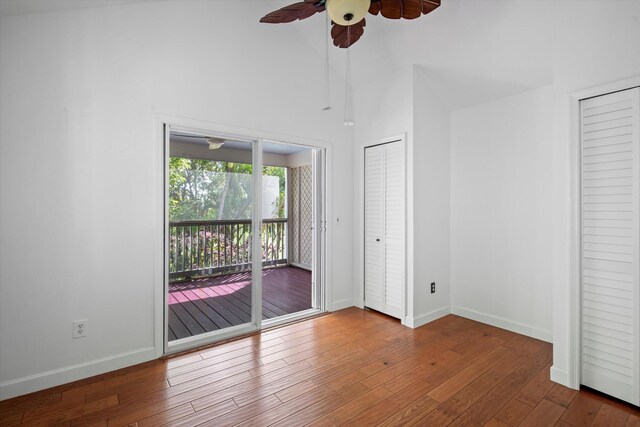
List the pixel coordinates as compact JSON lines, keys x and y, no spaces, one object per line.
{"x":374,"y":9}
{"x":391,"y":9}
{"x":407,"y":9}
{"x":344,"y":36}
{"x":291,"y":13}
{"x":429,"y":6}
{"x":411,"y":9}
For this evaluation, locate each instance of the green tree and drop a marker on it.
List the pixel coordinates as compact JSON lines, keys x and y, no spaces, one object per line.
{"x":205,"y":189}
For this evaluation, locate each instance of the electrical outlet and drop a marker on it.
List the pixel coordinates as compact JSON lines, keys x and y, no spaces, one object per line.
{"x":433,"y":287}
{"x":80,"y":328}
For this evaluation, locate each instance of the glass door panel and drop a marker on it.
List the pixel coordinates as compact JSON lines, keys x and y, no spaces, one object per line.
{"x":288,"y":228}
{"x":210,"y":198}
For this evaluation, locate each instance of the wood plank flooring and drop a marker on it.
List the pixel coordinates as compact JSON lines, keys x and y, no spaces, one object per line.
{"x":352,"y":367}
{"x":208,"y":304}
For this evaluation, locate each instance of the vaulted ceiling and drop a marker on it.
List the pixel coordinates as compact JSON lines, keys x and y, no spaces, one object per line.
{"x":472,"y":51}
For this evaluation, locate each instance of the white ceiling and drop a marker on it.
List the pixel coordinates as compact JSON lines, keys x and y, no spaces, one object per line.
{"x":471,"y":51}
{"x":23,"y":7}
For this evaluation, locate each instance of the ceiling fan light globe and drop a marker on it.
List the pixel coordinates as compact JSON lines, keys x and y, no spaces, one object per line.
{"x":347,"y":12}
{"x":214,"y":143}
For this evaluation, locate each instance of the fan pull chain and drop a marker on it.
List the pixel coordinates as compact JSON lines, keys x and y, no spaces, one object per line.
{"x":348,"y":113}
{"x":327,"y":82}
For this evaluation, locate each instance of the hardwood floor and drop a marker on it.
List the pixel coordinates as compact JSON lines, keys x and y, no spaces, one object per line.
{"x":352,"y":367}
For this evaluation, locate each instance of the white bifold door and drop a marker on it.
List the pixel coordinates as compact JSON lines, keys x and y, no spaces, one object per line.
{"x":384,"y":228}
{"x":610,"y":151}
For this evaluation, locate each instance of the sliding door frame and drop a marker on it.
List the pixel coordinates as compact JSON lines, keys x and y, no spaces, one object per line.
{"x":319,"y":236}
{"x":256,"y":259}
{"x":164,"y":124}
{"x":319,"y":231}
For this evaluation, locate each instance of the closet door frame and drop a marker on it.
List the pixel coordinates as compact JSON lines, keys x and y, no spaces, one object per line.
{"x":359,"y":302}
{"x":572,"y":377}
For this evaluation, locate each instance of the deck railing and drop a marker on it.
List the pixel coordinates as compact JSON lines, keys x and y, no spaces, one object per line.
{"x":209,"y":247}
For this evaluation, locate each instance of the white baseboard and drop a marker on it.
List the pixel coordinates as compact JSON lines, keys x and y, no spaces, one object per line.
{"x":560,"y":376}
{"x":31,"y":383}
{"x":423,"y":319}
{"x":341,"y":304}
{"x":501,"y":322}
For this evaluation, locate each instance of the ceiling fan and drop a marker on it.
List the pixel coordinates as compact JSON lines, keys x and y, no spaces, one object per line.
{"x":347,"y":16}
{"x":214,"y":143}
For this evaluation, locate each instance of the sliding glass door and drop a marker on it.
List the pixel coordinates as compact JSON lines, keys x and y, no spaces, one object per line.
{"x":292,"y":224}
{"x":236,"y":257}
{"x":210,"y":246}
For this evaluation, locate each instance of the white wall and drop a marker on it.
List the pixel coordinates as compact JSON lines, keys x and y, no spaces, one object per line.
{"x":383,"y":110}
{"x":431,"y":201}
{"x":81,"y":168}
{"x":501,"y":212}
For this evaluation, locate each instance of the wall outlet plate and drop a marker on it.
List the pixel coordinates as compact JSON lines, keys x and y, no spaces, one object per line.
{"x":80,"y":328}
{"x":433,"y":287}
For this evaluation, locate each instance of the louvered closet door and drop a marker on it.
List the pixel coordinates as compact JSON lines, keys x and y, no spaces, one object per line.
{"x":374,"y":228}
{"x":384,"y":228}
{"x":393,"y":227}
{"x":610,"y":243}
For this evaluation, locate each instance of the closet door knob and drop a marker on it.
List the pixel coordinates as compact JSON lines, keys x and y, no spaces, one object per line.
{"x":377,"y":240}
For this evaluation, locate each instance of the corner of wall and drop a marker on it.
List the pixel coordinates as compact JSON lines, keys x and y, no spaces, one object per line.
{"x":561,"y":376}
{"x":423,"y":319}
{"x":503,"y":323}
{"x":429,"y":202}
{"x":342,"y":304}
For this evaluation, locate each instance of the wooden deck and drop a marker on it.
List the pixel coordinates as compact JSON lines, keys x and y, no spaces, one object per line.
{"x":209,"y":304}
{"x":351,"y":367}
